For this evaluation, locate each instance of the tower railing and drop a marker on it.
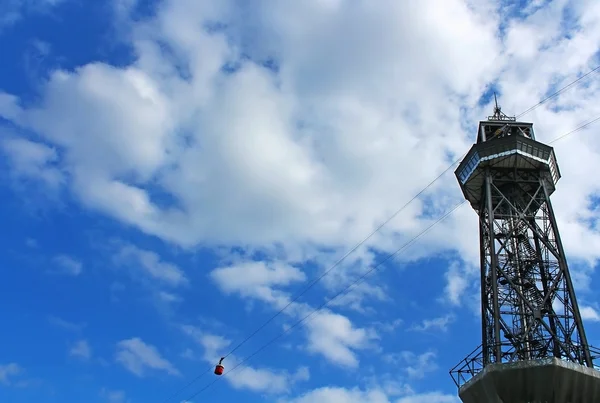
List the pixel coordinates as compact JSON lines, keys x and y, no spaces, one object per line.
{"x":472,"y":364}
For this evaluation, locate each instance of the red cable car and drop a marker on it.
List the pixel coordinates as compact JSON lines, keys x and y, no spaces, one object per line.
{"x":220,"y":368}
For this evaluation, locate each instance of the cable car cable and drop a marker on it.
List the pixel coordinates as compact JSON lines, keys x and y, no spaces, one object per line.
{"x":583,"y":126}
{"x":340,"y":293}
{"x":319,"y":278}
{"x":560,"y":91}
{"x":361,"y":278}
{"x":366,"y":274}
{"x":190,"y":383}
{"x":338,"y":262}
{"x":376,"y":230}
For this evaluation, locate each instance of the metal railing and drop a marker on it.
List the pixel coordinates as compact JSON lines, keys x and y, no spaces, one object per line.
{"x":473,"y":363}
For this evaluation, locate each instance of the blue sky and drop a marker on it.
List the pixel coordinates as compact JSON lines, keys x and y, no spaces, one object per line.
{"x":159,"y":205}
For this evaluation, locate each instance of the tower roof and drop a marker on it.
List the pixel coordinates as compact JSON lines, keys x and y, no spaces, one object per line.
{"x":509,"y":152}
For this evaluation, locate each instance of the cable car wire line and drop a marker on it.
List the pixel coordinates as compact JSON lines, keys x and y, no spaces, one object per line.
{"x":190,"y":383}
{"x":342,"y":292}
{"x":376,"y":230}
{"x":319,"y":278}
{"x":560,"y":91}
{"x":360,"y":279}
{"x":583,"y":126}
{"x":339,"y":261}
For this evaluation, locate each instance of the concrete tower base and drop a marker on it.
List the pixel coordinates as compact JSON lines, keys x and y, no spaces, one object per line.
{"x":547,"y":380}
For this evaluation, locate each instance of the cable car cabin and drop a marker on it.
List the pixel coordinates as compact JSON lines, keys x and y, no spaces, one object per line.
{"x":220,"y":368}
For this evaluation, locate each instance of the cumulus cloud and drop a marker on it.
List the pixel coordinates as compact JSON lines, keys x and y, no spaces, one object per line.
{"x":295,"y":140}
{"x":12,"y":11}
{"x":65,"y":324}
{"x":356,"y":395}
{"x":32,"y":160}
{"x":335,"y":337}
{"x":8,"y":371}
{"x":257,"y":279}
{"x":161,"y":279}
{"x":315,"y":149}
{"x":113,"y":396}
{"x":440,"y":323}
{"x":264,"y":380}
{"x":149,"y":264}
{"x":416,"y":366}
{"x":248,"y":122}
{"x":138,"y":357}
{"x":589,"y":313}
{"x":456,"y":283}
{"x":430,"y":397}
{"x":329,"y":334}
{"x":68,"y":265}
{"x":342,"y":395}
{"x":81,"y":349}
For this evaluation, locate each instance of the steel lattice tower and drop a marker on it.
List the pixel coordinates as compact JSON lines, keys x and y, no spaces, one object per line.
{"x":534,"y":348}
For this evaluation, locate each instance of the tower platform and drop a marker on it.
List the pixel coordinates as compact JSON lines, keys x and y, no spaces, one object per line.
{"x":547,"y":380}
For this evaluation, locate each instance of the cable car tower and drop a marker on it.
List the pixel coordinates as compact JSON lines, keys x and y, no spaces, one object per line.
{"x":534,"y":348}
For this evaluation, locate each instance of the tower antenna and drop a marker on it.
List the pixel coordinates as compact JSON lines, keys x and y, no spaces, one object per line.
{"x":498,"y":114}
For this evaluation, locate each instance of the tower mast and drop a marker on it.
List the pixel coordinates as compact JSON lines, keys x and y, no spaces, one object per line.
{"x":534,"y":347}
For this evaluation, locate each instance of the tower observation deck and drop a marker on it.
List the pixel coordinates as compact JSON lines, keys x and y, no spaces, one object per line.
{"x":534,"y":347}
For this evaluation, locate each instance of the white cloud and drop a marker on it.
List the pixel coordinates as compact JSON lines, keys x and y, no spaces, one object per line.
{"x":168,"y":297}
{"x":432,"y":397}
{"x":341,"y":395}
{"x":12,"y":11}
{"x":416,"y":366}
{"x":32,"y":160}
{"x":360,"y":264}
{"x":257,"y":279}
{"x":81,"y":349}
{"x":139,"y":357}
{"x":68,"y":265}
{"x":336,"y":338}
{"x":456,"y":283}
{"x":31,"y":243}
{"x":9,"y":106}
{"x":266,"y":380}
{"x":420,"y":365}
{"x":589,"y":314}
{"x":8,"y":371}
{"x":435,"y":324}
{"x":329,"y":334}
{"x":189,"y":354}
{"x":73,"y":327}
{"x":249,"y":127}
{"x":317,"y":156}
{"x":390,"y":326}
{"x":332,"y":394}
{"x":370,"y":102}
{"x":263,"y":380}
{"x":151,"y":265}
{"x":314,"y":157}
{"x":113,"y":396}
